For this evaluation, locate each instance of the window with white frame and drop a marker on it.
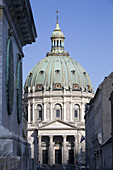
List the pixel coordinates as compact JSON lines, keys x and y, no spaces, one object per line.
{"x":58,"y":111}
{"x":39,"y":108}
{"x":76,"y":111}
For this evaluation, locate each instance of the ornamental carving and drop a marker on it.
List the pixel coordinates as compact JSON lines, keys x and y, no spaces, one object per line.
{"x":75,"y":86}
{"x":57,"y":86}
{"x":39,"y":87}
{"x":9,"y":74}
{"x":19,"y":91}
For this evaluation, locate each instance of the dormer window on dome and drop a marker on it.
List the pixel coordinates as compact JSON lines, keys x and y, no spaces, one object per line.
{"x":88,"y":87}
{"x":84,"y":73}
{"x":73,"y":71}
{"x":57,"y":71}
{"x":41,"y":72}
{"x":30,"y":74}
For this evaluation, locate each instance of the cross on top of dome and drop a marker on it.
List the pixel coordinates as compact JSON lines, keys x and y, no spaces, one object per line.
{"x":57,"y":15}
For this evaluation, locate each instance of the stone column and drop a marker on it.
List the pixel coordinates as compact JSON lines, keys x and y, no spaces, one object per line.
{"x":51,"y":150}
{"x":62,"y":43}
{"x":71,"y":113}
{"x":51,"y":111}
{"x":44,"y":111}
{"x":64,"y":150}
{"x":64,"y":111}
{"x":82,"y":112}
{"x":33,"y":111}
{"x":29,"y":115}
{"x":75,"y":149}
{"x":55,"y":43}
{"x":39,"y":150}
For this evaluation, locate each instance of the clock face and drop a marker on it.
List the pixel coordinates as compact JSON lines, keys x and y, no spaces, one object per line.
{"x":19,"y":91}
{"x":9,"y":75}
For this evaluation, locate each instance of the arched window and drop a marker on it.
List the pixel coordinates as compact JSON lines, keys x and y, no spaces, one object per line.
{"x":31,"y":112}
{"x":76,"y":111}
{"x":58,"y":111}
{"x":54,"y":43}
{"x":39,"y":108}
{"x":57,"y":43}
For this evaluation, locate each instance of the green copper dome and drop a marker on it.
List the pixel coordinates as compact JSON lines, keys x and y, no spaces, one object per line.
{"x":58,"y":70}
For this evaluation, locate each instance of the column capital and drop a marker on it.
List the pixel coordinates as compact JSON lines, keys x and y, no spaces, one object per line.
{"x":29,"y":102}
{"x":64,"y":136}
{"x":50,"y":136}
{"x":39,"y":137}
{"x":64,"y":102}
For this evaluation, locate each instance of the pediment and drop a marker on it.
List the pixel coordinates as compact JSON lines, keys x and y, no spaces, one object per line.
{"x":57,"y":125}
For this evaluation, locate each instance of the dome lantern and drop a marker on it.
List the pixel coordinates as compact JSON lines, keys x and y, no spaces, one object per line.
{"x":57,"y":39}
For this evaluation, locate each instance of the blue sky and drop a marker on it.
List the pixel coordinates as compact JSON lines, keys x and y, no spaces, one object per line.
{"x":88,"y":29}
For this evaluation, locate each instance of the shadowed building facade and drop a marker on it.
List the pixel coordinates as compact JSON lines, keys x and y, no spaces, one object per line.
{"x":56,"y":91}
{"x":16,"y":30}
{"x":98,"y":119}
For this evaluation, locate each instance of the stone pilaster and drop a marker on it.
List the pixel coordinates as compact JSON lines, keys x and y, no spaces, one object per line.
{"x":64,"y":111}
{"x":33,"y":111}
{"x":44,"y":111}
{"x":78,"y":143}
{"x":51,"y":150}
{"x":82,"y":112}
{"x":75,"y":150}
{"x":71,"y":113}
{"x":29,"y":115}
{"x":51,"y":111}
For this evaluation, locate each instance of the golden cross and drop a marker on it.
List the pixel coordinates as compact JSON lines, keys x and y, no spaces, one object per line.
{"x":57,"y":15}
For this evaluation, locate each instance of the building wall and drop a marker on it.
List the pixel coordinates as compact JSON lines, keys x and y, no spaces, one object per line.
{"x":14,"y":150}
{"x":107,"y":156}
{"x":106,"y":107}
{"x":7,"y":120}
{"x":98,"y":119}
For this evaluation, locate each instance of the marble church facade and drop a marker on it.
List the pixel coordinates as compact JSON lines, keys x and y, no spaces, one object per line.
{"x":55,"y":93}
{"x":57,"y":135}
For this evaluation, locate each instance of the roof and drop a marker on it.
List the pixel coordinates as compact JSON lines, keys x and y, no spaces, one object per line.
{"x":57,"y":72}
{"x":21,"y":14}
{"x":57,"y":33}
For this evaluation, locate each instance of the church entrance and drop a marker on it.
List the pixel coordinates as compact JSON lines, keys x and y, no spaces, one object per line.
{"x":71,"y":156}
{"x":58,"y":156}
{"x":45,"y":156}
